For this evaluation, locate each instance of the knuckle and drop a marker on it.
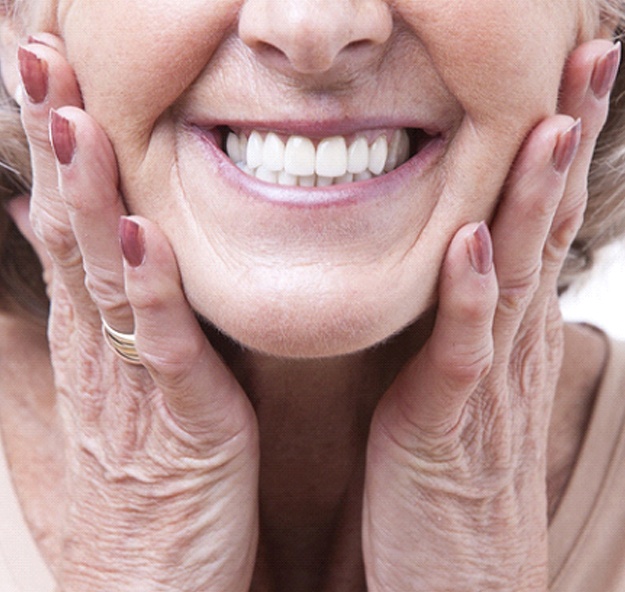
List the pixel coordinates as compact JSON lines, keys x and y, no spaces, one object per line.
{"x":106,"y":290}
{"x":540,"y":208}
{"x":532,"y":354}
{"x":560,"y":240}
{"x":149,"y":300}
{"x":516,"y":294}
{"x":529,"y":371}
{"x":51,"y":229}
{"x":470,"y":366}
{"x":474,"y":310}
{"x":462,"y":364}
{"x":540,"y":200}
{"x":171,"y":364}
{"x":36,"y":128}
{"x":513,"y":301}
{"x":564,"y":232}
{"x":59,"y":241}
{"x":144,"y":301}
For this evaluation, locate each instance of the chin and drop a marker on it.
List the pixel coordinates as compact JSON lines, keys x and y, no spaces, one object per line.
{"x":296,"y":325}
{"x":273,"y":333}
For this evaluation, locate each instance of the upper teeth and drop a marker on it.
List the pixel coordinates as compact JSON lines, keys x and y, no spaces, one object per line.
{"x":297,"y":161}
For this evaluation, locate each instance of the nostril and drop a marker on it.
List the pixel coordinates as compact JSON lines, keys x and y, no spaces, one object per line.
{"x":305,"y":59}
{"x":310,"y":35}
{"x":356,"y":45}
{"x":268,"y":50}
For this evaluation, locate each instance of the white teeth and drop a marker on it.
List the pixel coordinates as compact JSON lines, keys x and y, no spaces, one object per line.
{"x":324,"y":181}
{"x":346,"y":178}
{"x":331,"y":157}
{"x":233,"y":147}
{"x":377,"y":155}
{"x":273,"y":153}
{"x":332,"y":162}
{"x":285,"y":178}
{"x":307,"y":180}
{"x":398,"y":151}
{"x":393,"y":152}
{"x":264,"y":174}
{"x":255,"y":150}
{"x":364,"y":176}
{"x":247,"y":170}
{"x":358,"y":156}
{"x":243,"y":145}
{"x":299,"y":156}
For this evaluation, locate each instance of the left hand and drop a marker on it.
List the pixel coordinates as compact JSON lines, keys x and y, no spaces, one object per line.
{"x":455,"y":492}
{"x":160,"y":460}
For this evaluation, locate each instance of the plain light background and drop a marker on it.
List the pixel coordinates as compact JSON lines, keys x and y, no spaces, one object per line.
{"x":600,"y":298}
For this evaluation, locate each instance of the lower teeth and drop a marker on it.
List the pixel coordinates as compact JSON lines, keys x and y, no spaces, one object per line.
{"x":284,"y":178}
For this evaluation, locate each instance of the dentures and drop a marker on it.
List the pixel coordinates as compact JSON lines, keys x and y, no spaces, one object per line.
{"x":301,"y":161}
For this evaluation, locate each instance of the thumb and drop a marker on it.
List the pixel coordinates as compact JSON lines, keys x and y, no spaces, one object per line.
{"x":430,"y":393}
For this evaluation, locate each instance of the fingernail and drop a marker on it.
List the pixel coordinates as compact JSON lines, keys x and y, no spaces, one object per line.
{"x":566,"y":147}
{"x":34,"y":73}
{"x":605,"y":71}
{"x":62,"y":138}
{"x":132,"y":243}
{"x":480,"y":248}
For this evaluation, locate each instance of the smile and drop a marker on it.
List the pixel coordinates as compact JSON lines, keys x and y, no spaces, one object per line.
{"x":319,"y":164}
{"x":297,"y":160}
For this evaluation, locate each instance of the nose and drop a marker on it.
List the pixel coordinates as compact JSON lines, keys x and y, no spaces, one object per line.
{"x":312,"y":36}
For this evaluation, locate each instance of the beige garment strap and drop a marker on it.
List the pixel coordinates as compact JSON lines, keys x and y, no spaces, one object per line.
{"x":587,"y":534}
{"x":22,"y":568}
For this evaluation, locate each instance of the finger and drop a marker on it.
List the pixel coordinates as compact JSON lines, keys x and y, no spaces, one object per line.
{"x":200,"y":393}
{"x":585,"y":92}
{"x":524,"y":218}
{"x":48,"y":82}
{"x":88,"y":182}
{"x":430,"y":394}
{"x":588,"y":79}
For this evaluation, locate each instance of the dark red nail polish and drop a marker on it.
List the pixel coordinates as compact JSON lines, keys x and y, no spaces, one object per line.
{"x":566,"y":147}
{"x":63,"y":138}
{"x":481,"y":249}
{"x":34,"y":73}
{"x":131,"y":239}
{"x":605,"y":71}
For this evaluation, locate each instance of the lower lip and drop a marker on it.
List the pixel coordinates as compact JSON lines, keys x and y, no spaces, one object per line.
{"x":334,"y":195}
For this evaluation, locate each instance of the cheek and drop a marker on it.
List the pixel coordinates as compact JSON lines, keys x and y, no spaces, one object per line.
{"x":500,"y":59}
{"x":503,"y":62}
{"x":134,"y":59}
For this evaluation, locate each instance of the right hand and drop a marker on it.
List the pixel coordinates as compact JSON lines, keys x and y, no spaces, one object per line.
{"x":161,"y":460}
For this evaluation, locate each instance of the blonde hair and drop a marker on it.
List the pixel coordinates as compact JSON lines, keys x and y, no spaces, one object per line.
{"x":21,"y":285}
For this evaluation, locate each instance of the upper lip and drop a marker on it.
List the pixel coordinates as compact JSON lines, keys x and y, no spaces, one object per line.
{"x":322,"y":128}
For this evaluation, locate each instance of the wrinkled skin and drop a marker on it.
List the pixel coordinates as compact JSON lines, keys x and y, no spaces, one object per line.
{"x":455,"y":465}
{"x":370,"y":63}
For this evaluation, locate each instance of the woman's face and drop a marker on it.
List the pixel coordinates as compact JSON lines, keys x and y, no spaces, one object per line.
{"x":327,"y":270}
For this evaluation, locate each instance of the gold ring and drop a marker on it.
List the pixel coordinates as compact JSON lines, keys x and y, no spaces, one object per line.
{"x":123,"y":344}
